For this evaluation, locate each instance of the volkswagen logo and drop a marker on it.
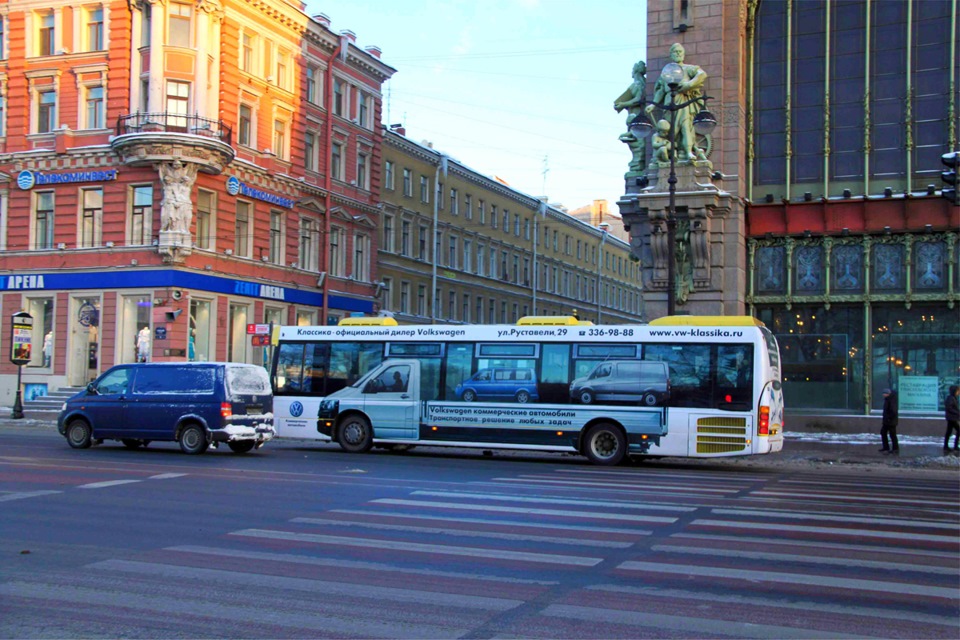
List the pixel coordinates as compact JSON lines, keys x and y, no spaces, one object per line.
{"x":296,"y":409}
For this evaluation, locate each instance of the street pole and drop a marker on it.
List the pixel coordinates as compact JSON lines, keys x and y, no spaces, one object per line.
{"x":672,"y":213}
{"x":17,"y":413}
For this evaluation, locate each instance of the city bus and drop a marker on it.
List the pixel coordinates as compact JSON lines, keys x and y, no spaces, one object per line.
{"x":681,"y":386}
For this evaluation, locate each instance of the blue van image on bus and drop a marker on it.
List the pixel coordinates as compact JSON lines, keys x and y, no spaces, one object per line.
{"x":193,"y":404}
{"x":499,"y":383}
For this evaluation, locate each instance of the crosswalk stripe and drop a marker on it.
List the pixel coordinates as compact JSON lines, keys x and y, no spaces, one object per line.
{"x":541,"y":512}
{"x":905,"y":522}
{"x":695,"y":627}
{"x":806,"y":559}
{"x":107,"y":483}
{"x":355,"y":565}
{"x":326,"y":587}
{"x":539,"y":526}
{"x":166,"y":476}
{"x":465,"y":533}
{"x":911,"y":501}
{"x":645,"y":487}
{"x":740,"y":574}
{"x":417,"y":547}
{"x":860,"y":533}
{"x":21,"y":495}
{"x":500,"y":497}
{"x":840,"y":546}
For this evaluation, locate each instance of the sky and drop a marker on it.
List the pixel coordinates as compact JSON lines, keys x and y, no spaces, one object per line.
{"x":518,"y":89}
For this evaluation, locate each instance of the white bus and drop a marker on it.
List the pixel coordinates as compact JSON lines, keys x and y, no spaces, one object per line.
{"x":681,"y":386}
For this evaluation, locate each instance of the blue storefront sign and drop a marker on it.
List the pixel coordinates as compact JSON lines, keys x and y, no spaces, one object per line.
{"x":27,"y":180}
{"x":171,"y":278}
{"x":235,"y":187}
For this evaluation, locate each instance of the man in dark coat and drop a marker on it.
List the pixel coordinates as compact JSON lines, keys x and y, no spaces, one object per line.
{"x":951,"y":411}
{"x":891,"y":416}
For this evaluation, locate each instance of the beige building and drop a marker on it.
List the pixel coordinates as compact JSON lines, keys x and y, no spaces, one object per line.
{"x":499,"y":254}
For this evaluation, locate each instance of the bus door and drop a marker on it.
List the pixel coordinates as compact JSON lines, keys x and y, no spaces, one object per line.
{"x":391,"y":399}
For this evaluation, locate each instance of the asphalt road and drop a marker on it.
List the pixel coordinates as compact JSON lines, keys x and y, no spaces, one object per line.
{"x":303,"y":541}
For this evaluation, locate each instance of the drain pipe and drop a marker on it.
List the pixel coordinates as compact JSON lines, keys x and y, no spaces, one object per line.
{"x":328,"y":180}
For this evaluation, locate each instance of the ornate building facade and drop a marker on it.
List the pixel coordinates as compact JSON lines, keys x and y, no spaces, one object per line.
{"x":498,"y":254}
{"x":825,"y":219}
{"x":172,"y":171}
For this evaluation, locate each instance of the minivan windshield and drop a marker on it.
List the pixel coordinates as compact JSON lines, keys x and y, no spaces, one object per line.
{"x":248,"y":380}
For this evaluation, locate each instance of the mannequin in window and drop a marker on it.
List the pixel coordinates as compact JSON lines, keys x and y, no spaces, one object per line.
{"x":48,"y":348}
{"x":143,"y":345}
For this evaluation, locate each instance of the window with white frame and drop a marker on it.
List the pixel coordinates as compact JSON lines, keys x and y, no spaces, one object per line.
{"x":241,"y":230}
{"x":424,"y":189}
{"x":280,"y":138}
{"x":276,"y":237}
{"x":467,"y":255}
{"x":283,"y":70}
{"x":363,"y":109}
{"x":388,"y":234}
{"x":407,"y":183}
{"x":339,"y":98}
{"x":313,"y":85}
{"x":309,"y":244}
{"x":452,"y":254}
{"x":205,"y":219}
{"x":46,"y":32}
{"x":493,"y":216}
{"x":454,"y":202}
{"x":43,"y":220}
{"x":516,"y":224}
{"x":141,"y":214}
{"x":481,"y":260}
{"x":363,"y":171}
{"x":492,"y":265}
{"x":248,"y":52}
{"x":388,"y":177}
{"x":421,"y":299}
{"x":46,"y":110}
{"x":310,"y":151}
{"x":180,"y":25}
{"x":94,"y":28}
{"x":439,"y":195}
{"x":468,"y":206}
{"x":177,"y":103}
{"x":336,"y":251}
{"x":506,"y":221}
{"x":404,"y":237}
{"x":361,"y":257}
{"x":336,"y":161}
{"x":422,"y":243}
{"x":245,"y":128}
{"x":91,"y":217}
{"x":93,"y":109}
{"x":526,"y":228}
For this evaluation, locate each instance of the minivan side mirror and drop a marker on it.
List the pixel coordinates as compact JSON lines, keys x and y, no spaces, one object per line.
{"x":92,"y":389}
{"x":370,"y":387}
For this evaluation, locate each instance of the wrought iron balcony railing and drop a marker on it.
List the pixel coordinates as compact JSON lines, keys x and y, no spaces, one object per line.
{"x":174,"y":123}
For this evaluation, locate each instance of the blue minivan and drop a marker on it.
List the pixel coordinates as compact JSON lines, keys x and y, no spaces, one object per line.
{"x":500,"y":383}
{"x":194,"y":404}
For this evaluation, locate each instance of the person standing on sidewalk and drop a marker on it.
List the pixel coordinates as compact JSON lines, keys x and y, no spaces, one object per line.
{"x":891,"y":416}
{"x":951,"y":411}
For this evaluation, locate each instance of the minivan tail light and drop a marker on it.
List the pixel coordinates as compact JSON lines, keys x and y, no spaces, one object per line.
{"x":226,"y":410}
{"x":763,"y":428}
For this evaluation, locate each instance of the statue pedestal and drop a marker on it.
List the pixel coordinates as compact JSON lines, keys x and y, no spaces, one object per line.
{"x":175,"y":246}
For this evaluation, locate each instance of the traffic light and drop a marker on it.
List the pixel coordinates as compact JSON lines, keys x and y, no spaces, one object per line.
{"x":949,"y":191}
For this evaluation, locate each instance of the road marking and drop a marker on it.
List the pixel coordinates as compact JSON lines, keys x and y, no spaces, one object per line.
{"x":591,"y":503}
{"x":647,"y":488}
{"x":765,"y":542}
{"x":415,"y":547}
{"x":860,"y":533}
{"x":806,"y":559}
{"x":539,"y":526}
{"x":695,"y":627}
{"x":107,"y":483}
{"x":26,"y":494}
{"x":904,"y":522}
{"x":743,"y":575}
{"x":540,"y":512}
{"x":465,"y":533}
{"x":913,"y":502}
{"x":166,"y":476}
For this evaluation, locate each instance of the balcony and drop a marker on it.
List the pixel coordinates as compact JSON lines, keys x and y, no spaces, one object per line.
{"x":143,"y":139}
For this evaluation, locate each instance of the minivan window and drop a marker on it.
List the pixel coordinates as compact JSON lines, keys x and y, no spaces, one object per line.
{"x":158,"y":380}
{"x":247,"y":380}
{"x":114,"y":382}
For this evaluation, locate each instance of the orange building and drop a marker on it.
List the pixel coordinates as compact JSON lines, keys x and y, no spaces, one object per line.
{"x":173,"y":172}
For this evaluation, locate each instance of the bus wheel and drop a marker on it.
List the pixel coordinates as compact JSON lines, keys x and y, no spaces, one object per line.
{"x":605,"y":444}
{"x":355,"y":434}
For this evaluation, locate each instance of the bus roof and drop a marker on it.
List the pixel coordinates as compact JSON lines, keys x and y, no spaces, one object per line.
{"x":367,"y":322}
{"x":708,"y":321}
{"x":552,"y":321}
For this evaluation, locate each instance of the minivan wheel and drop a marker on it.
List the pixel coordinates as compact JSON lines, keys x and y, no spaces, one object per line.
{"x":649,"y":399}
{"x":130,"y":443}
{"x":523,"y":396}
{"x":242,"y":446}
{"x":193,"y":439}
{"x":605,"y":444}
{"x":586,"y":396}
{"x":469,"y":395}
{"x":79,"y":434}
{"x":355,"y":434}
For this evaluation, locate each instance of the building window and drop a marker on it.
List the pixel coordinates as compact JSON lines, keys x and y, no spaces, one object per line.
{"x":407,"y":183}
{"x":404,"y":297}
{"x":94,"y":108}
{"x":45,"y":33}
{"x":468,"y":206}
{"x":493,"y":216}
{"x":526,"y":229}
{"x":276,"y":237}
{"x":440,"y":195}
{"x":516,"y":225}
{"x":467,"y":249}
{"x":336,"y":251}
{"x":452,"y":254}
{"x":452,"y":305}
{"x":90,"y":217}
{"x":313,"y":85}
{"x":363,"y":164}
{"x":46,"y":111}
{"x":248,"y":47}
{"x":454,"y":203}
{"x":283,"y":66}
{"x":421,"y":300}
{"x":3,"y":115}
{"x":361,"y":257}
{"x":388,"y":175}
{"x":336,"y":161}
{"x":465,"y":312}
{"x":492,"y":265}
{"x":309,"y":244}
{"x":506,"y":221}
{"x":363,"y":110}
{"x":280,"y":139}
{"x":205,"y":200}
{"x":481,"y":261}
{"x":43,"y":220}
{"x":245,"y":130}
{"x":422,"y":243}
{"x":178,"y":102}
{"x":141,"y":214}
{"x":388,"y":234}
{"x":310,"y":151}
{"x":180,"y":25}
{"x":94,"y":29}
{"x":405,"y":238}
{"x":482,"y":211}
{"x":338,"y":98}
{"x":241,"y":230}
{"x":424,"y":189}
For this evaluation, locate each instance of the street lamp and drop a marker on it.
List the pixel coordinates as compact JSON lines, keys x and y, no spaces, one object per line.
{"x":641,"y":127}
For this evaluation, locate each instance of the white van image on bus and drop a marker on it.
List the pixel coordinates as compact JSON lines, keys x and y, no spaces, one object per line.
{"x":642,"y":381}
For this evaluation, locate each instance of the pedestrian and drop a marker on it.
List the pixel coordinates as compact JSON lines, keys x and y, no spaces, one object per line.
{"x":891,"y":416}
{"x":951,"y":411}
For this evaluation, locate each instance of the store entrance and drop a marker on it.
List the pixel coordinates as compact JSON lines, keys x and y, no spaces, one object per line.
{"x":83,"y":363}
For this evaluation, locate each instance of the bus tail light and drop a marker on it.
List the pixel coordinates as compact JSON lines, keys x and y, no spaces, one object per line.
{"x":226,"y":410}
{"x":763,"y":428}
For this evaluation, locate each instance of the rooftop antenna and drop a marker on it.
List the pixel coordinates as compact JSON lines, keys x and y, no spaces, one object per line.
{"x":546,"y":170}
